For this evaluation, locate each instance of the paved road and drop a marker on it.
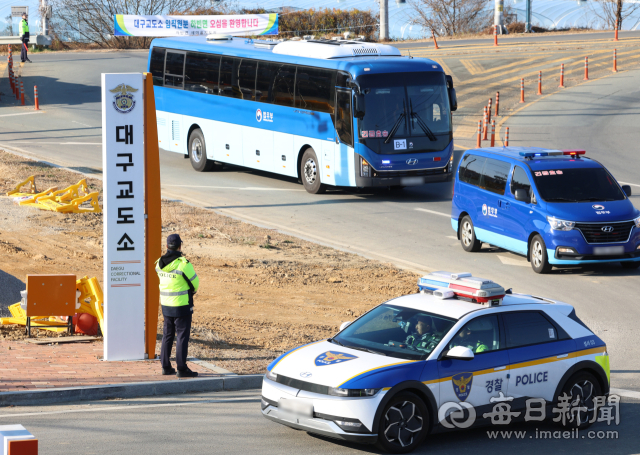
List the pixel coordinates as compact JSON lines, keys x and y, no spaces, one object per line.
{"x":231,"y":423}
{"x":410,"y":228}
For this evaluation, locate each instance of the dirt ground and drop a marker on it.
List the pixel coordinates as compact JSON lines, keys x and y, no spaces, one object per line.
{"x":261,"y":292}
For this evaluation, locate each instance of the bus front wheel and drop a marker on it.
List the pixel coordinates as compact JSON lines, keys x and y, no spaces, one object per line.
{"x":310,"y":172}
{"x":198,"y":152}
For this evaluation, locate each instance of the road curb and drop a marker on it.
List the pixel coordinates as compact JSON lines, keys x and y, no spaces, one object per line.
{"x":130,"y":390}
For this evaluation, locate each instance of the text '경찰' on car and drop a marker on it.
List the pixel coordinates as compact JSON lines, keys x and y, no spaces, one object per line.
{"x":439,"y":360}
{"x":556,"y":207}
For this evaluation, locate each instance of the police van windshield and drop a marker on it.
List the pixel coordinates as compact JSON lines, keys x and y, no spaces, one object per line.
{"x":577,"y":185}
{"x":409,"y":106}
{"x":396,"y":332}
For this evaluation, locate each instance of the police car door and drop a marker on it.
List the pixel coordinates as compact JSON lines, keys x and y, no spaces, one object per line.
{"x":472,"y":383}
{"x":538,"y":355}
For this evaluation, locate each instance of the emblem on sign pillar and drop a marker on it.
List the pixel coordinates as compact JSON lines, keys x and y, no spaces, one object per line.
{"x":123,"y":101}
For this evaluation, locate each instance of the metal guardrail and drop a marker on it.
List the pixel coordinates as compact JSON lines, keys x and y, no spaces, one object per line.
{"x":40,"y":40}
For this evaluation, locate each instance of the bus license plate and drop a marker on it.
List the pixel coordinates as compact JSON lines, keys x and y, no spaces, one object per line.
{"x":297,"y":407}
{"x":608,"y":250}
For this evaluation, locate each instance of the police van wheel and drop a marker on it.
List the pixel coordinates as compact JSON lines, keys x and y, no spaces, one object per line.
{"x":581,"y":388}
{"x":538,"y":256}
{"x":310,"y":172}
{"x":404,"y":424}
{"x":468,"y":238}
{"x":198,"y":152}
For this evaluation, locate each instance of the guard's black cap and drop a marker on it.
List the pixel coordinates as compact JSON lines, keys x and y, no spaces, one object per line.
{"x":174,"y":241}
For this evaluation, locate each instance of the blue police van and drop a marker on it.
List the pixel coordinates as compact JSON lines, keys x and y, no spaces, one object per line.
{"x":556,"y":207}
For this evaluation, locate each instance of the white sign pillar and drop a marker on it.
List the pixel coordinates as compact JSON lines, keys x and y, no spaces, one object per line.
{"x":123,"y":200}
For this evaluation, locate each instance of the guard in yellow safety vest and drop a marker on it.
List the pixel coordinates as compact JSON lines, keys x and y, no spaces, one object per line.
{"x":24,"y":37}
{"x":178,"y":284}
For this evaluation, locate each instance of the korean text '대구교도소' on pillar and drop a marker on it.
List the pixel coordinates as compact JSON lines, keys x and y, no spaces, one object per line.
{"x":124,"y":215}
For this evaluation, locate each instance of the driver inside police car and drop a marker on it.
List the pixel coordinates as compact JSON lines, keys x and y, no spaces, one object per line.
{"x":422,"y":334}
{"x":467,"y":339}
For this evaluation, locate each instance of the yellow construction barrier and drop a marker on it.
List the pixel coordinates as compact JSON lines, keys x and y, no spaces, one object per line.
{"x":31,"y":190}
{"x":67,"y":200}
{"x":90,"y":300}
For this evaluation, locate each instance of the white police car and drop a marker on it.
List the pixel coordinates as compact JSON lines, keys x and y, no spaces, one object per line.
{"x":439,"y":360}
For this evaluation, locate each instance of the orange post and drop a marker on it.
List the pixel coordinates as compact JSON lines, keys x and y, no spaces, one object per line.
{"x":21,"y":93}
{"x":489,"y":110}
{"x":561,"y":75}
{"x":35,"y":96}
{"x":615,"y":60}
{"x":485,"y":125}
{"x":495,"y":35}
{"x":493,"y":133}
{"x":433,"y":35}
{"x":616,"y":33}
{"x":13,"y":89}
{"x":506,"y":138}
{"x":539,"y":82}
{"x":586,"y":68}
{"x":153,"y":223}
{"x":15,"y":82}
{"x":479,"y":139}
{"x":497,"y":103}
{"x":522,"y":90}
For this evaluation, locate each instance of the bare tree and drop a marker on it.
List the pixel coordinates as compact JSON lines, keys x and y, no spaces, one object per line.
{"x":451,"y":17}
{"x":91,"y":21}
{"x":611,"y":10}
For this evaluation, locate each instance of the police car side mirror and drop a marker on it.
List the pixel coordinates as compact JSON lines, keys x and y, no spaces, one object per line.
{"x":460,"y":353}
{"x":627,"y":190}
{"x":344,"y":325}
{"x":522,"y":195}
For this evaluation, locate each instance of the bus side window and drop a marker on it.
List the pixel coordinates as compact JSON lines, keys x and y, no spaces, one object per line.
{"x":229,"y":77}
{"x":314,"y":89}
{"x":156,"y":67}
{"x":201,"y":73}
{"x":174,"y":70}
{"x":247,"y":79}
{"x":344,"y":117}
{"x":264,"y":81}
{"x":282,"y":93}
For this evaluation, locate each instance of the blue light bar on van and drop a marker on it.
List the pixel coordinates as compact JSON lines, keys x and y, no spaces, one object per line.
{"x":552,"y":153}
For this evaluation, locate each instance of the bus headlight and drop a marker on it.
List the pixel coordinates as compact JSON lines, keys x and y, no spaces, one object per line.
{"x":560,"y":225}
{"x":365,"y":168}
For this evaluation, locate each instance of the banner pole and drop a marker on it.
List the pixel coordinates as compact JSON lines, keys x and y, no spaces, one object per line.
{"x":153,"y":217}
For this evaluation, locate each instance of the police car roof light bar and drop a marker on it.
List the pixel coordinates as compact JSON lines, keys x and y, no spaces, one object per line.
{"x":574,"y":152}
{"x":463,"y":286}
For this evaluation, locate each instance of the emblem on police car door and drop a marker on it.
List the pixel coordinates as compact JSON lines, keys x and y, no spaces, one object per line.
{"x":462,"y":385}
{"x":123,"y":100}
{"x":330,"y":357}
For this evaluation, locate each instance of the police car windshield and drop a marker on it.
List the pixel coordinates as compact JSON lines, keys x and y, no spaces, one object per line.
{"x":396,"y":332}
{"x":577,"y":185}
{"x":421,"y":97}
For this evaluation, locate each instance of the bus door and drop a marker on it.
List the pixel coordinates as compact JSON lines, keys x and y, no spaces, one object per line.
{"x":343,"y":164}
{"x":174,"y":77}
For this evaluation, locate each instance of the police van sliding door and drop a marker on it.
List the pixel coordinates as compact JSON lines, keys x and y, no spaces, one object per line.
{"x":343,"y":164}
{"x":174,"y":79}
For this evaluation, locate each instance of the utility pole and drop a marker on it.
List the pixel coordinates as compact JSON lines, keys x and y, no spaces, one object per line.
{"x":44,"y":13}
{"x":384,"y":20}
{"x":527,"y":25}
{"x":498,"y":20}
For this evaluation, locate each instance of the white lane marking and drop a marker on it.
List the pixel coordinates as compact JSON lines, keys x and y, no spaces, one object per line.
{"x":627,"y":183}
{"x":22,"y":113}
{"x":448,"y":215}
{"x":56,"y":143}
{"x":233,"y":188}
{"x":625,"y":393}
{"x":510,"y":261}
{"x":122,"y":407}
{"x":452,"y":237}
{"x":84,"y":124}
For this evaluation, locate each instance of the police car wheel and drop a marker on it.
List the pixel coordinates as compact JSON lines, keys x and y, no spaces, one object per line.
{"x":630,"y":265}
{"x":310,"y":172}
{"x":468,"y":238}
{"x":404,"y":424}
{"x":581,"y":388}
{"x":198,"y":152}
{"x":538,"y":256}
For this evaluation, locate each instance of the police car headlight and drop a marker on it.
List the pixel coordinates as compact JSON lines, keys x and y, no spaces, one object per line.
{"x":337,"y":392}
{"x":560,"y":225}
{"x":271,"y":375}
{"x":637,"y":222}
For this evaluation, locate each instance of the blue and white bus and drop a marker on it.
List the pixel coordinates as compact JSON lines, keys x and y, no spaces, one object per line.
{"x":329,"y":112}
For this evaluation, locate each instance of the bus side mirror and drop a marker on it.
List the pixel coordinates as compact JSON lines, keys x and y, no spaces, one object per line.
{"x":627,"y":190}
{"x":358,"y":105}
{"x":453,"y":99}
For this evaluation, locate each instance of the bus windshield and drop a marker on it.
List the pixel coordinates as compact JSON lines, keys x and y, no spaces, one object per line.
{"x":421,"y":97}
